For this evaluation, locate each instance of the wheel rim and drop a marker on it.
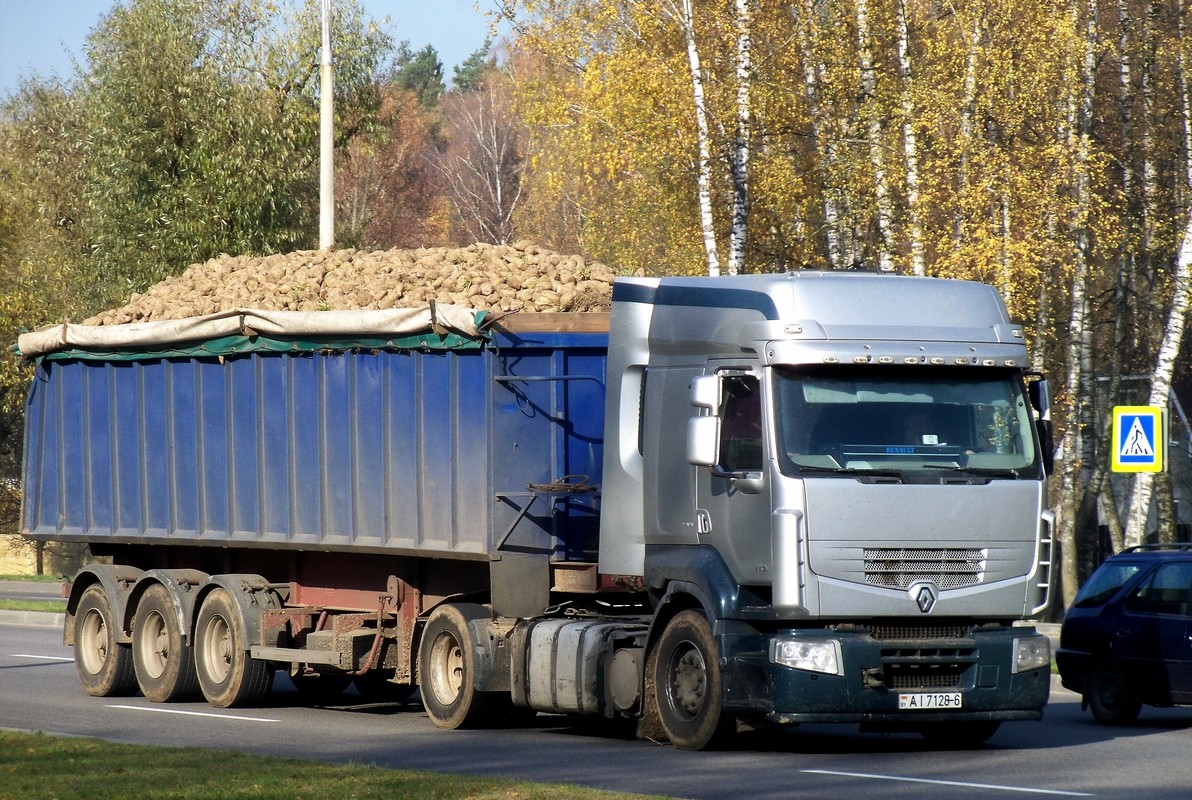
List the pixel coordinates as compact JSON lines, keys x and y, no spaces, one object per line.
{"x":687,"y":680}
{"x":1108,"y":687}
{"x":217,"y":649}
{"x":92,"y":646}
{"x":154,"y":645}
{"x":447,"y":659}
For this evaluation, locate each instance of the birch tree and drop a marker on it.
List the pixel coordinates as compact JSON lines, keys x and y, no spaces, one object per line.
{"x":909,"y":142}
{"x":873,"y":129}
{"x":1076,"y":442}
{"x":684,"y":15}
{"x":741,"y":141}
{"x":1169,"y":349}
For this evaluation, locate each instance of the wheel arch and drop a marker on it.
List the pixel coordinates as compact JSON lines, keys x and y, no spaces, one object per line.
{"x":251,"y":596}
{"x":117,"y":582}
{"x":182,"y":586}
{"x":679,"y":596}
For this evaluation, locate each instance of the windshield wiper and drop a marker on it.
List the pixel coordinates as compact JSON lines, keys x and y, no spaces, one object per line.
{"x":868,"y":471}
{"x":989,"y":472}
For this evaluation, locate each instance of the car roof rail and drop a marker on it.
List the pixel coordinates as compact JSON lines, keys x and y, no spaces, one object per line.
{"x":1182,"y":546}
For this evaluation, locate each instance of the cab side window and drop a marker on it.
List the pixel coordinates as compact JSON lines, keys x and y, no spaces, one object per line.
{"x":741,"y":425}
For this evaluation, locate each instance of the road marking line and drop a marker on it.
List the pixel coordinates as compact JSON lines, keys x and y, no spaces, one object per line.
{"x":194,"y":713}
{"x":959,"y":784}
{"x":42,"y":658}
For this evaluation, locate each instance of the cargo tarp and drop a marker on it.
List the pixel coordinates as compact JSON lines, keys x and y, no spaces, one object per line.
{"x":436,"y":326}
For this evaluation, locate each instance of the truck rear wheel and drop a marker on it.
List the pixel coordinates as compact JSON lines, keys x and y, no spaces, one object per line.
{"x":227,"y":674}
{"x":104,"y":665}
{"x":687,"y":681}
{"x":446,"y":668}
{"x":164,"y":661}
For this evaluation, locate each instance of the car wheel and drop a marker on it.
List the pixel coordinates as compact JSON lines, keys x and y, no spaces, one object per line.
{"x":1109,"y":695}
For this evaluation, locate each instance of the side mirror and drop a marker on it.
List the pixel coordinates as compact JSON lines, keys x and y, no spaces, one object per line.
{"x":705,"y":392}
{"x":703,"y":441}
{"x":1040,"y":396}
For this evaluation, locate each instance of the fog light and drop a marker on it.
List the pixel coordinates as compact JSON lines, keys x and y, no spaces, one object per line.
{"x":813,"y":655}
{"x":1031,"y":652}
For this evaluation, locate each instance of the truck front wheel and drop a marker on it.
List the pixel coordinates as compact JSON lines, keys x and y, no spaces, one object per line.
{"x":164,"y":661}
{"x":446,"y":668}
{"x":687,"y":682}
{"x":228,"y":675}
{"x":104,"y":665}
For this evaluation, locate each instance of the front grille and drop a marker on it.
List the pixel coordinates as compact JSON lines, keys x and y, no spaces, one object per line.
{"x":903,"y":679}
{"x":893,"y":632}
{"x":927,"y":668}
{"x":901,"y":567}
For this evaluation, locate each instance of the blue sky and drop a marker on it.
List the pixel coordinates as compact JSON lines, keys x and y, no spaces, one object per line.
{"x":40,"y":37}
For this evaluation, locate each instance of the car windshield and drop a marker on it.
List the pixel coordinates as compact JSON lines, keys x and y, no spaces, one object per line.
{"x":871,"y":419}
{"x":1104,"y":583}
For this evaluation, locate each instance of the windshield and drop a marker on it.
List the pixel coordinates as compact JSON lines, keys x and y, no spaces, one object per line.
{"x":1105,"y":583}
{"x":905,"y":420}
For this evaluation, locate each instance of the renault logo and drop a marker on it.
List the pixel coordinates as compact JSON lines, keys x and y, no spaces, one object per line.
{"x":924,"y":595}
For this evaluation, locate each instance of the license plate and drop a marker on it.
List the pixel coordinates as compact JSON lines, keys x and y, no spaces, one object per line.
{"x":930,"y":701}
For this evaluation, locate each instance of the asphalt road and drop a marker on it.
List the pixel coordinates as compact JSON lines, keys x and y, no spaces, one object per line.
{"x":1066,"y":755}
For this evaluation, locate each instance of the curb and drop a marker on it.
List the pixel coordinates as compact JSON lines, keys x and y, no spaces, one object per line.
{"x":44,"y":619}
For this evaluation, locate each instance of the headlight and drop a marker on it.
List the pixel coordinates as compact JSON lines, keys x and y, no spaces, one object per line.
{"x":813,"y":655}
{"x":1031,"y":652}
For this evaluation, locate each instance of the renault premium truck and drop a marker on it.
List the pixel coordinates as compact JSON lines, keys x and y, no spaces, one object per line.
{"x":791,"y":498}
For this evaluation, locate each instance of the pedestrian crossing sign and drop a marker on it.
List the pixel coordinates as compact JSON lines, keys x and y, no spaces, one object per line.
{"x":1139,"y":434}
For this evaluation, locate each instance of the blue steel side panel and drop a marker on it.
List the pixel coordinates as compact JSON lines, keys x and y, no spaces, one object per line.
{"x":378,"y":451}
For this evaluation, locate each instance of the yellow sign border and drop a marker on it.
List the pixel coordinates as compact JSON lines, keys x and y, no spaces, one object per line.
{"x":1159,"y":462}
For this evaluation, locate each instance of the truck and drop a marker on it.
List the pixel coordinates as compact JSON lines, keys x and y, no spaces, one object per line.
{"x":810,"y":497}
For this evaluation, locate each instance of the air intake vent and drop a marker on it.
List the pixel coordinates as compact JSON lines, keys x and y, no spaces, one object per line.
{"x":895,"y":631}
{"x":947,"y":568}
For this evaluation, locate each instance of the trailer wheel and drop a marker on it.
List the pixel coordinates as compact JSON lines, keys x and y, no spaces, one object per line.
{"x":227,"y":674}
{"x":164,"y":660}
{"x":446,"y":669}
{"x":104,"y":665}
{"x":688,"y":685}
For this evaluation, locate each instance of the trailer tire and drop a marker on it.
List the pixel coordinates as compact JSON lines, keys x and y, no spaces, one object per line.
{"x":688,"y":684}
{"x":104,"y":665}
{"x":446,"y":668}
{"x":163,"y":658}
{"x":228,"y":675}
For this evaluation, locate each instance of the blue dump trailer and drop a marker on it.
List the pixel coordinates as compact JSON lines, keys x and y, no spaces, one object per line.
{"x":699,"y":510}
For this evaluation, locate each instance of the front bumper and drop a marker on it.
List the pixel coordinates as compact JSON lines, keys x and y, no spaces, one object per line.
{"x":874,"y":672}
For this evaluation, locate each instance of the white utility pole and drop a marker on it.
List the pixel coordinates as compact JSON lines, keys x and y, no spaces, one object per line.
{"x":326,"y":139}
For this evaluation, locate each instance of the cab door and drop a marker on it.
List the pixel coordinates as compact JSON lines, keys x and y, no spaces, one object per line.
{"x":733,"y":495}
{"x":1155,"y":633}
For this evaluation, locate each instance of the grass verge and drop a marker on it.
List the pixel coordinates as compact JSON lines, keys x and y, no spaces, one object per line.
{"x":36,"y":766}
{"x":34,"y":578}
{"x":51,"y":606}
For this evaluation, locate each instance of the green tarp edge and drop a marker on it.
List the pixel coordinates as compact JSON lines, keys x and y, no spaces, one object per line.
{"x":241,"y":345}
